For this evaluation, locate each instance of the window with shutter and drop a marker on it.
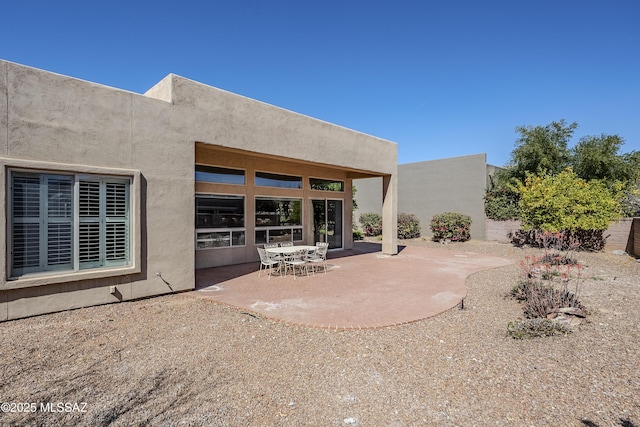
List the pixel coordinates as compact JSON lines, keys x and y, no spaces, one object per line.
{"x":25,"y":225}
{"x":67,"y":222}
{"x":59,"y":220}
{"x":89,"y":217}
{"x":117,"y":223}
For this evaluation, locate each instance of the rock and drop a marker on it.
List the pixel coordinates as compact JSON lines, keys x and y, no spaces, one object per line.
{"x":619,"y":252}
{"x":572,"y":311}
{"x":350,"y":421}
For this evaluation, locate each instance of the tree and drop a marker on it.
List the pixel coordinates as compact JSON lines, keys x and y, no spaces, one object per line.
{"x":540,"y":150}
{"x":596,"y":157}
{"x":353,"y":198}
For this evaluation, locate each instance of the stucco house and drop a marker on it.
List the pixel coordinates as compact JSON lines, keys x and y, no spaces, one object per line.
{"x":110,"y":195}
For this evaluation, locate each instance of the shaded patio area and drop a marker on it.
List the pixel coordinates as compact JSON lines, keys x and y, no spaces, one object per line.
{"x":362,"y":287}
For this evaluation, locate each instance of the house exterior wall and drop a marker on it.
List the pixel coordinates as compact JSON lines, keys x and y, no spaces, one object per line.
{"x":56,"y":123}
{"x":432,"y":187}
{"x":50,"y":122}
{"x":250,"y":163}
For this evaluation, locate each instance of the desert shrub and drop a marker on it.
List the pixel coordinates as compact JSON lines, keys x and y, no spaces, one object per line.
{"x":371,"y":223}
{"x":534,"y":328}
{"x":585,"y":240}
{"x":541,"y":300}
{"x":501,"y":204}
{"x":451,"y":226}
{"x":408,"y":226}
{"x":567,"y":202}
{"x":550,"y":287}
{"x":357,"y":235}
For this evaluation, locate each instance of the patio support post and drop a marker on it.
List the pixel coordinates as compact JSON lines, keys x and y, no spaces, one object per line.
{"x":390,"y":214}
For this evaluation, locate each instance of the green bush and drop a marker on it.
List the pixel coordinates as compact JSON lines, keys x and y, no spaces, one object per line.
{"x":584,"y":240}
{"x":451,"y":226}
{"x":408,"y":226}
{"x":357,"y":235}
{"x":565,"y":202}
{"x":501,"y":204}
{"x":371,"y":223}
{"x":534,"y":328}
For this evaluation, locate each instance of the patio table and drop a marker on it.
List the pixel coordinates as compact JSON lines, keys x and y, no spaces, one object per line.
{"x":288,"y":250}
{"x":285,"y":251}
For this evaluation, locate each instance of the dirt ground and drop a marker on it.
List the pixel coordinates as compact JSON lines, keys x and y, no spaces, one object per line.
{"x":179,"y":360}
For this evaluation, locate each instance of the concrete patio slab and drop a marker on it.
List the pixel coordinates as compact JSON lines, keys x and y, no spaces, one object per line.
{"x":362,"y":288}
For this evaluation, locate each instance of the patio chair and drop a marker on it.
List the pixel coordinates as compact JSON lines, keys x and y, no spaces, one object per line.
{"x":267,"y":262}
{"x":271,"y":255}
{"x":282,"y":244}
{"x":297,"y":260}
{"x":319,"y":256}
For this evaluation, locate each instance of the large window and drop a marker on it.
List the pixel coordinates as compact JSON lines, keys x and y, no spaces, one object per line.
{"x":278,"y":220}
{"x":326,"y":184}
{"x":68,"y":222}
{"x":265,"y":179}
{"x":219,"y":221}
{"x":219,"y":175}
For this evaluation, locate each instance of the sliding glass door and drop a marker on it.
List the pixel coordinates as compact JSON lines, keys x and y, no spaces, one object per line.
{"x":328,"y":222}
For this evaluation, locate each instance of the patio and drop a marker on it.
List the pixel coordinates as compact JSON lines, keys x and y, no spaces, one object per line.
{"x":362,"y":288}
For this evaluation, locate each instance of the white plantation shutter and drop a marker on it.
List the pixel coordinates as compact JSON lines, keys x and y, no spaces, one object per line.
{"x":25,"y":225}
{"x":89,"y":228}
{"x":103,"y":210}
{"x":117,"y":223}
{"x":58,"y":221}
{"x":42,"y":223}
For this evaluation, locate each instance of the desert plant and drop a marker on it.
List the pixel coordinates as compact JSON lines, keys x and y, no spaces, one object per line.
{"x":408,"y":226}
{"x":585,"y":240}
{"x":542,"y":300}
{"x":544,"y":289}
{"x":451,"y":226}
{"x":357,"y":235}
{"x":533,"y":328}
{"x":371,"y":223}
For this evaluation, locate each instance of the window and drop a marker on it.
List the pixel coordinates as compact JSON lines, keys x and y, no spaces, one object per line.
{"x":219,"y":221}
{"x":278,"y":220}
{"x":265,"y":179}
{"x":68,"y":222}
{"x":326,"y":185}
{"x":219,"y":175}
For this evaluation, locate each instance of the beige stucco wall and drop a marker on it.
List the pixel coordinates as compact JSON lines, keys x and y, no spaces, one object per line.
{"x":53,"y":121}
{"x":57,"y":122}
{"x":432,"y":187}
{"x":215,"y":116}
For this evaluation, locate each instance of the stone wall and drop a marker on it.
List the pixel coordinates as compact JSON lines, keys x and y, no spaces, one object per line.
{"x":619,"y":236}
{"x":636,"y":237}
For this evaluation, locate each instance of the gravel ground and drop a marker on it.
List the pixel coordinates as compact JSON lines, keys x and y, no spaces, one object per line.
{"x":178,"y":360}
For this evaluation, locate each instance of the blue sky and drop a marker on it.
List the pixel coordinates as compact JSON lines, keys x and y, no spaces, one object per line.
{"x":440,"y":78}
